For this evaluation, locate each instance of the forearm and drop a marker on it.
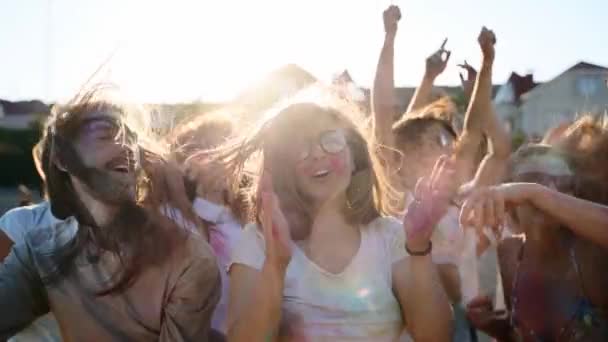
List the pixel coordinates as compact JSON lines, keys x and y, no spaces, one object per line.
{"x":429,"y":316}
{"x":586,"y":219}
{"x":491,"y":170}
{"x":259,"y":320}
{"x":422,"y":96}
{"x":383,"y":93}
{"x":480,"y":108}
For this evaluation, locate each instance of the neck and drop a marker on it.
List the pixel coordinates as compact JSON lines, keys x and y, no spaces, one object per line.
{"x":329,"y":216}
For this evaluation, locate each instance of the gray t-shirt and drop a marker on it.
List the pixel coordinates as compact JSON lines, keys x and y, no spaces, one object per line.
{"x":170,"y":301}
{"x":15,"y":224}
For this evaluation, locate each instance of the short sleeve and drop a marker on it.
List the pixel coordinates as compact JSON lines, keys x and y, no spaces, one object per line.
{"x":394,"y":237}
{"x":15,"y":223}
{"x":249,"y":248}
{"x":189,"y":308}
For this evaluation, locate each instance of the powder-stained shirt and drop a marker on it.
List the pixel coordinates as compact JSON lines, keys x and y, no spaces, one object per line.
{"x":357,"y":304}
{"x":169,"y":301}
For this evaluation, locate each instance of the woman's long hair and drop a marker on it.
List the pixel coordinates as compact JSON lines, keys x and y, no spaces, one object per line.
{"x":263,"y":149}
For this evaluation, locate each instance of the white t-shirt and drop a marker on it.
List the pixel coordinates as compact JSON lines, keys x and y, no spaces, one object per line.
{"x":224,"y":231}
{"x":448,"y":238}
{"x":356,"y":304}
{"x":15,"y":224}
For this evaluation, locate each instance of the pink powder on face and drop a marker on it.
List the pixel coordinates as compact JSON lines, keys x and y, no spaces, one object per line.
{"x":337,"y":163}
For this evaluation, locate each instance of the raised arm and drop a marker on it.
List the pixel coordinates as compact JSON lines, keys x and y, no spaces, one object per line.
{"x":467,"y":83}
{"x":481,"y":119}
{"x":435,"y":65}
{"x":586,"y":219}
{"x":255,"y":296}
{"x":383,"y":92}
{"x":424,"y":303}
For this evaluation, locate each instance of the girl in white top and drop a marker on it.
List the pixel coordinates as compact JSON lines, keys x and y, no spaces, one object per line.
{"x":322,"y":263}
{"x":218,"y":208}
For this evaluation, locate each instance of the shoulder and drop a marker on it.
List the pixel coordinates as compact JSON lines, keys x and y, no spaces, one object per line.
{"x":46,"y":239}
{"x":249,"y":248}
{"x":16,"y":222}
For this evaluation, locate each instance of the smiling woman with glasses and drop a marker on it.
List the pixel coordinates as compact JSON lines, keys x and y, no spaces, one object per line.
{"x":321,"y":260}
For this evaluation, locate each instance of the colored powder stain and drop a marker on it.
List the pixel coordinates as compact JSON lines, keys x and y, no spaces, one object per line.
{"x":275,"y":231}
{"x":337,"y":164}
{"x":218,"y":243}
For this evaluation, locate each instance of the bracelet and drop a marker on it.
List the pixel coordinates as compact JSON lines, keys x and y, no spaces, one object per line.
{"x":423,"y":253}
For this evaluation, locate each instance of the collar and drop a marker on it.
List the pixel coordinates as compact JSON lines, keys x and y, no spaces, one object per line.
{"x":211,"y":212}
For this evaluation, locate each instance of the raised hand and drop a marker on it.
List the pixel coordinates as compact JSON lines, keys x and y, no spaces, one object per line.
{"x":275,"y":227}
{"x":469,"y":82}
{"x":481,"y":313}
{"x":432,"y":198}
{"x":391,"y":17}
{"x":487,"y":40}
{"x":436,"y":63}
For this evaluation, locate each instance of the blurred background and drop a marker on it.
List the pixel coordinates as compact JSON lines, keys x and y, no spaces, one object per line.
{"x":189,"y":57}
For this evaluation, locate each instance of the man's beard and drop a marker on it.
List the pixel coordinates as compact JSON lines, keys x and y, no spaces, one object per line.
{"x":103,"y":184}
{"x":108,"y":188}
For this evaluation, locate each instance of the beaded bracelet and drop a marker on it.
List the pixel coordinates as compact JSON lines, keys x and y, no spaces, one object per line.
{"x":423,"y":253}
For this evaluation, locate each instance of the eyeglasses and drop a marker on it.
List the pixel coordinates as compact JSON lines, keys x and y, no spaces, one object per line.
{"x":105,"y":128}
{"x":332,"y":142}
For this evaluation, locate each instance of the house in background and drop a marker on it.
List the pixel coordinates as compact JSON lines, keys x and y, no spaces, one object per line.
{"x":507,"y":100}
{"x":22,"y":114}
{"x":578,"y":90}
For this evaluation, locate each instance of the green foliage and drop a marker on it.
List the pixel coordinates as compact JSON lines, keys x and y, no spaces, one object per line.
{"x":517,"y":140}
{"x":16,"y":161}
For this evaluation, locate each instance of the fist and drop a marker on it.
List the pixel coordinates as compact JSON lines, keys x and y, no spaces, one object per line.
{"x":486,"y":41}
{"x":391,"y":17}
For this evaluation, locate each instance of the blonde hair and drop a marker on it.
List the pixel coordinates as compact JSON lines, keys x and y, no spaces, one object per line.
{"x":263,"y":149}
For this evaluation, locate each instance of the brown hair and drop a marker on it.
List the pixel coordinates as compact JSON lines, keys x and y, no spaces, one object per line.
{"x":139,"y":235}
{"x":202,"y":134}
{"x":264,"y":149}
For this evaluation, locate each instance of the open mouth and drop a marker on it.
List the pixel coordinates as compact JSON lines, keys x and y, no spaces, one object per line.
{"x":121,"y":165}
{"x":321,"y":174}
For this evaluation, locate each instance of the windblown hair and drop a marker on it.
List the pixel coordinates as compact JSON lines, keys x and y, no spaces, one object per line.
{"x":141,"y":234}
{"x":194,"y":139}
{"x":587,"y":139}
{"x":411,"y":128}
{"x":264,"y":149}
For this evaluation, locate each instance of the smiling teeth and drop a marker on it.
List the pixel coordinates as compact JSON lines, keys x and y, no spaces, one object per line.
{"x":321,"y":173}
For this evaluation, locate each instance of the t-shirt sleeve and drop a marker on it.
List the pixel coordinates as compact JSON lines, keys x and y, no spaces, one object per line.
{"x":15,"y":223}
{"x":189,"y":308}
{"x":249,"y":248}
{"x":394,"y":236}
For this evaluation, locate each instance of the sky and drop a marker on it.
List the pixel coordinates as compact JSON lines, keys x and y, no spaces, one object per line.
{"x":209,"y":50}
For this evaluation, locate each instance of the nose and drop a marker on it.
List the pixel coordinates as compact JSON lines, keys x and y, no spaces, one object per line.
{"x":316,"y":151}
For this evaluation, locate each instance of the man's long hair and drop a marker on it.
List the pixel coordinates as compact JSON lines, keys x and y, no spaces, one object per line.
{"x":141,"y":233}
